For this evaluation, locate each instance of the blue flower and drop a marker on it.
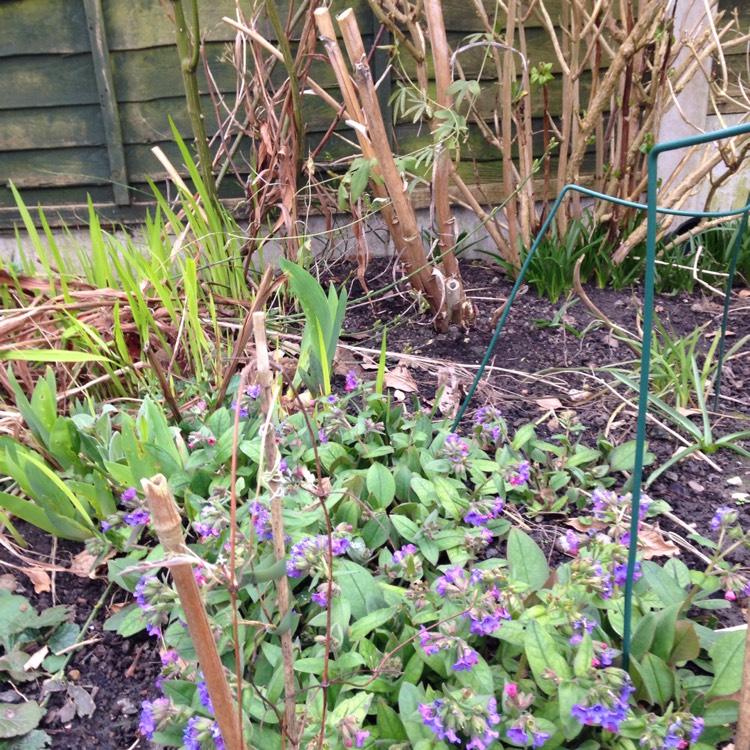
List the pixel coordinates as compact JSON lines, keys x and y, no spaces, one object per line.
{"x":204,"y":697}
{"x":147,"y":726}
{"x":518,"y":735}
{"x":190,"y":736}
{"x":467,"y":660}
{"x":138,"y":517}
{"x":129,"y":494}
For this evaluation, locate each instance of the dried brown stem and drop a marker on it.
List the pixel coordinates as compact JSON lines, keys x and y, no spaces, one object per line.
{"x":271,"y":454}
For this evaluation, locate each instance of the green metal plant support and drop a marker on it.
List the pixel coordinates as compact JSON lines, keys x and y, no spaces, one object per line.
{"x":648,"y":313}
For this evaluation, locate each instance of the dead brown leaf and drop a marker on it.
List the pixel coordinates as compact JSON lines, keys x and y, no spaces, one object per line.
{"x":400,"y":379}
{"x":549,"y":404}
{"x":654,"y":544}
{"x":8,"y":582}
{"x":83,"y":565}
{"x":39,"y":578}
{"x":451,"y":393}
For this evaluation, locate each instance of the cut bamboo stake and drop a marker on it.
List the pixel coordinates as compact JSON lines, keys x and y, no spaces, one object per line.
{"x":440,"y":195}
{"x":165,"y":520}
{"x":353,"y":108}
{"x":271,"y":455}
{"x":412,"y":253}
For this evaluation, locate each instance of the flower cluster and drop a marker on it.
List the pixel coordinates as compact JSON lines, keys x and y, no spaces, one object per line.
{"x":473,"y":718}
{"x":434,"y":642}
{"x":213,"y":520}
{"x":523,"y":472}
{"x":484,"y":510}
{"x":135,"y":512}
{"x":309,"y":556}
{"x":261,"y":521}
{"x":673,"y":730}
{"x":723,"y":518}
{"x":606,"y":703}
{"x":156,"y":601}
{"x":199,"y":437}
{"x":489,"y":426}
{"x":456,"y":450}
{"x":247,"y":401}
{"x":351,"y":385}
{"x":351,"y":733}
{"x":406,"y":563}
{"x":202,"y":733}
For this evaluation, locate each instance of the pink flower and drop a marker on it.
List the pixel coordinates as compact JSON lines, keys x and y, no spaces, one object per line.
{"x":730,"y":596}
{"x":511,"y":689}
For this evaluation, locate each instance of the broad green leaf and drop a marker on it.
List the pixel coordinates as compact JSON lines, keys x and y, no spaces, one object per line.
{"x":405,"y":527}
{"x":357,"y":706}
{"x":543,"y":654}
{"x":570,"y":694}
{"x":643,"y":636}
{"x":721,"y":713}
{"x":359,"y":587}
{"x":727,"y":656}
{"x":686,"y":643}
{"x":370,"y":622}
{"x":663,"y":585}
{"x":584,"y":656}
{"x":664,"y":635}
{"x":523,"y":435}
{"x":311,"y":664}
{"x":36,"y":739}
{"x":389,"y":723}
{"x":425,"y":490}
{"x":19,"y":718}
{"x":381,"y":485}
{"x":653,"y":679}
{"x":526,"y":560}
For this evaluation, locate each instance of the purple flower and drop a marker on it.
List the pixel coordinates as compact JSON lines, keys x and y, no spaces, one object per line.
{"x":169,"y":657}
{"x":428,"y":643}
{"x":467,"y":660}
{"x":696,"y":730}
{"x":320,"y":598}
{"x":351,"y":385}
{"x":253,"y":391}
{"x":204,"y":697}
{"x":205,"y":531}
{"x":360,"y":737}
{"x":398,"y":557}
{"x":217,"y":738}
{"x":432,"y":719}
{"x":570,"y":542}
{"x":450,"y":577}
{"x":190,"y":736}
{"x":481,"y":512}
{"x":243,"y":412}
{"x":620,"y":573}
{"x":322,"y":436}
{"x":524,"y":471}
{"x":106,"y":526}
{"x":140,"y":592}
{"x":138,"y":517}
{"x":309,"y":553}
{"x":129,"y":494}
{"x":261,"y":525}
{"x":517,"y":735}
{"x":147,"y":726}
{"x":723,"y":517}
{"x":331,"y":399}
{"x":540,"y":738}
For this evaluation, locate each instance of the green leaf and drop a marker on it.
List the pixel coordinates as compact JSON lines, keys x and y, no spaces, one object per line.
{"x":381,"y":485}
{"x":655,"y":682}
{"x":405,"y":527}
{"x":727,"y":656}
{"x":36,"y":739}
{"x":370,"y":622}
{"x":409,"y":698}
{"x":424,"y":489}
{"x":19,"y":718}
{"x":128,"y":621}
{"x":523,"y":435}
{"x":663,"y":585}
{"x":686,"y":643}
{"x":721,"y":713}
{"x":664,"y":635}
{"x":543,"y":653}
{"x":51,"y":355}
{"x":389,"y":724}
{"x":311,"y":664}
{"x":643,"y":635}
{"x":526,"y":561}
{"x":359,"y":588}
{"x":570,"y":694}
{"x":584,"y":656}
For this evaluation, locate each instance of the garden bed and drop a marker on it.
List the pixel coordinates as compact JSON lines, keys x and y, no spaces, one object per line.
{"x":547,"y":367}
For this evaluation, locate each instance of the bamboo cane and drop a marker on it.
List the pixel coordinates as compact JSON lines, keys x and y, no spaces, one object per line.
{"x":412,"y":253}
{"x":168,"y":527}
{"x":353,"y":108}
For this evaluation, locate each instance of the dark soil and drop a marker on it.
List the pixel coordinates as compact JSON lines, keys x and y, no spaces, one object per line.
{"x":533,"y":360}
{"x":118,"y":674}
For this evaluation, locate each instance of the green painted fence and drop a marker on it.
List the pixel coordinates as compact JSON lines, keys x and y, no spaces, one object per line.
{"x":87,"y":88}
